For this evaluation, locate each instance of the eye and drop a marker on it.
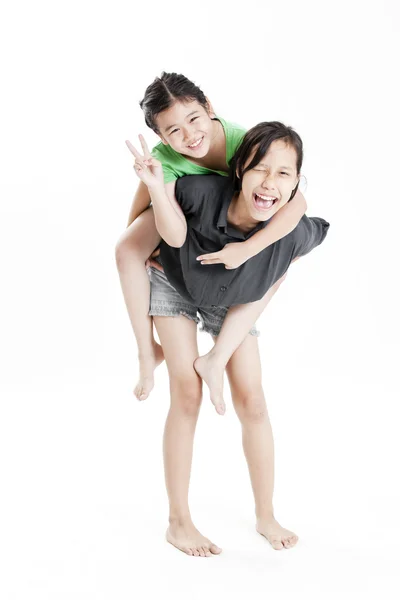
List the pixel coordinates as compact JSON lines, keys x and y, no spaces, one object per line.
{"x":193,"y":119}
{"x":283,"y":173}
{"x":174,"y":131}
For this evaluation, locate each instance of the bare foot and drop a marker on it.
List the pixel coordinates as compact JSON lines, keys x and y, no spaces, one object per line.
{"x":188,"y":539}
{"x":213,"y":375}
{"x":147,"y":366}
{"x":277,"y":536}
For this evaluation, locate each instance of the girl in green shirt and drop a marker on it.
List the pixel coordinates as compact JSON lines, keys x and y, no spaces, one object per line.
{"x":193,"y":141}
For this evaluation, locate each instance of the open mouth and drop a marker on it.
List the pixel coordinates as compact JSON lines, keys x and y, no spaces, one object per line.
{"x":264,"y":202}
{"x":196,"y":144}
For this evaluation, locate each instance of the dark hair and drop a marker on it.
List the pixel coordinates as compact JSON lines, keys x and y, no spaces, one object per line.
{"x":260,"y":138}
{"x":164,"y":91}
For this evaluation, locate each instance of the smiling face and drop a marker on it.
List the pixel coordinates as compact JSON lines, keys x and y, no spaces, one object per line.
{"x":269,"y":184}
{"x":187,"y":127}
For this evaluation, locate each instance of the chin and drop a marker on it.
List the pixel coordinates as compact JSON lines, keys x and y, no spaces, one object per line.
{"x":262,"y":217}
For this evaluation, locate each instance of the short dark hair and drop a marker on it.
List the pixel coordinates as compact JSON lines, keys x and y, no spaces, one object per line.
{"x":164,"y":91}
{"x":260,"y":138}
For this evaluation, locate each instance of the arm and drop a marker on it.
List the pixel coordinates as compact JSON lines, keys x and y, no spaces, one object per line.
{"x":169,"y":218}
{"x":281,"y":224}
{"x":140,"y":202}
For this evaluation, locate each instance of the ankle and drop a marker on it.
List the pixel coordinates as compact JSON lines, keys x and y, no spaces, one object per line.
{"x":217,"y":358}
{"x":265,"y":516}
{"x":147,"y":354}
{"x":180,"y":519}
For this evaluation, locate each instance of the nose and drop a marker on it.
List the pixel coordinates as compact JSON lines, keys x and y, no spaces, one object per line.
{"x":269,"y":182}
{"x":187,"y":133}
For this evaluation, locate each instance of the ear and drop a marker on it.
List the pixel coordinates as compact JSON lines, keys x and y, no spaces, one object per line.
{"x":210,"y":109}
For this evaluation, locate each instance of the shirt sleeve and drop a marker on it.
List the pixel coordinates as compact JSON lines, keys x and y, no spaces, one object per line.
{"x":309,"y":233}
{"x":168,"y":170}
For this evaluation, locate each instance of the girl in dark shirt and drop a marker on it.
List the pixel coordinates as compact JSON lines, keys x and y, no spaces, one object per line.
{"x":265,"y":172}
{"x":264,"y":177}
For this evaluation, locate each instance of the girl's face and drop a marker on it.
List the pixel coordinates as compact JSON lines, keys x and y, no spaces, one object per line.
{"x":268,"y":186}
{"x":187,"y":127}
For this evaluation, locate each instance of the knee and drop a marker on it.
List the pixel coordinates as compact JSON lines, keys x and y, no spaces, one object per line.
{"x":250,"y":406}
{"x":126,"y":250}
{"x":186,"y":395}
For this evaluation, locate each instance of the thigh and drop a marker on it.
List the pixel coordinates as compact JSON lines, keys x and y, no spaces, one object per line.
{"x":141,"y":235}
{"x":165,"y":301}
{"x":178,"y":337}
{"x":212,"y":320}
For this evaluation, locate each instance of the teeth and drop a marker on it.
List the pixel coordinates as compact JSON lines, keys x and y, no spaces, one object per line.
{"x":266,"y":197}
{"x":195,"y":144}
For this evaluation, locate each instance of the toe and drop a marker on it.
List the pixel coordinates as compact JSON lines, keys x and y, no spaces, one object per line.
{"x":276,"y":543}
{"x":140,"y":392}
{"x":207,"y":551}
{"x":188,"y":551}
{"x":215,"y":549}
{"x":220,"y":408}
{"x":201,"y":551}
{"x":195,"y":552}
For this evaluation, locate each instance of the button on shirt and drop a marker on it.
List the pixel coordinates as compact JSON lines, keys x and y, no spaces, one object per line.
{"x":205,"y":200}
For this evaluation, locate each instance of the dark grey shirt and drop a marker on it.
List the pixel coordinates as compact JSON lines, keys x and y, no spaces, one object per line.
{"x":204,"y":200}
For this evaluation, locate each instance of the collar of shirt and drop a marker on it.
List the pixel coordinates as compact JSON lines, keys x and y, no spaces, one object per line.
{"x":222,"y":222}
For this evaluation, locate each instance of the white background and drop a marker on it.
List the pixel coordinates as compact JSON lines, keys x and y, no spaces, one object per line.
{"x":83,"y":504}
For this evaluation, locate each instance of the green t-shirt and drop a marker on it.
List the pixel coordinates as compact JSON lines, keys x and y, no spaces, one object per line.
{"x":175,"y":165}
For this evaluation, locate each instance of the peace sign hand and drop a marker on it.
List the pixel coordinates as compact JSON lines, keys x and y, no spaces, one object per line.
{"x":147,"y":168}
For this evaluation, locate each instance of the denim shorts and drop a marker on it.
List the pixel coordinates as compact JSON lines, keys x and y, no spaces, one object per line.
{"x":166,"y":302}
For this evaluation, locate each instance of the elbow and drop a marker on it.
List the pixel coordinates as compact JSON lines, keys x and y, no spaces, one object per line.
{"x":179,"y":238}
{"x":176,"y":241}
{"x":174,"y":244}
{"x":302,"y":204}
{"x":181,"y":242}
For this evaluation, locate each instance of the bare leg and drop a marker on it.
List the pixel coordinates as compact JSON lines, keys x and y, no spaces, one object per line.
{"x":237,"y":324}
{"x":133,"y":248}
{"x":244,"y":374}
{"x":178,"y":336}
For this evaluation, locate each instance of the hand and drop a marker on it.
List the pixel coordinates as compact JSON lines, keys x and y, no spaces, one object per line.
{"x":231,"y":255}
{"x":153,"y":263}
{"x":147,"y":168}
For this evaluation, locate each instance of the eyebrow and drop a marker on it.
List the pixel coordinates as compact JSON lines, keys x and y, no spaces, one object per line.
{"x":187,"y":116}
{"x":266,"y":166}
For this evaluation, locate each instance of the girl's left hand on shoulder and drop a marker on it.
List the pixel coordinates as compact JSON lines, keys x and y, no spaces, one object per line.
{"x":232,"y":256}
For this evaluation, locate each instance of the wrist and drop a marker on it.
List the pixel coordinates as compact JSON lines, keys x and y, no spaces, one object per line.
{"x":249,"y":248}
{"x":156,"y":187}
